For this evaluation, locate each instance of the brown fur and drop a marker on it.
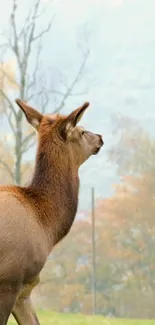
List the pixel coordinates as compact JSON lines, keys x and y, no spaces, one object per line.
{"x":34,"y":218}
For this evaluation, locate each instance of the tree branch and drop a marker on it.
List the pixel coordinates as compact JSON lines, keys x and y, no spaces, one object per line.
{"x":31,"y":36}
{"x":31,"y":145}
{"x":26,"y":140}
{"x":26,"y":24}
{"x":5,"y":165}
{"x":8,"y":101}
{"x":44,"y":102}
{"x":53,"y":91}
{"x":8,"y":116}
{"x":44,"y":9}
{"x":15,"y":47}
{"x":34,"y":75}
{"x":46,"y":30}
{"x":69,"y":90}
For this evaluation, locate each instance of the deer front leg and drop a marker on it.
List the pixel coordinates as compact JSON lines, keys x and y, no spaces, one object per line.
{"x":24,"y":313}
{"x":23,"y":310}
{"x":8,"y":294}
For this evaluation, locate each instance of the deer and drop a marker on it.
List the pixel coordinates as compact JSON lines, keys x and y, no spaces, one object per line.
{"x":34,"y":218}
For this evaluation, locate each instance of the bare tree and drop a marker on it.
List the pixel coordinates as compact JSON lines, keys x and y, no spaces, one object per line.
{"x":23,"y":42}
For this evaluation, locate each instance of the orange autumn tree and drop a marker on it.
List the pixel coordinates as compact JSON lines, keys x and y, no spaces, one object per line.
{"x":131,"y":213}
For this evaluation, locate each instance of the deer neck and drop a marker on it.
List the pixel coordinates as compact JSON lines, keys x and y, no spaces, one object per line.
{"x":56,"y":182}
{"x":53,"y":168}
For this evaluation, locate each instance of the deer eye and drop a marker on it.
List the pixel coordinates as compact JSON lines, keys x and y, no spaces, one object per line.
{"x":83,"y":132}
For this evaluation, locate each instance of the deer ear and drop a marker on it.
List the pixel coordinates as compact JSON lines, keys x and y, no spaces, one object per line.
{"x":32,"y":116}
{"x":73,"y":119}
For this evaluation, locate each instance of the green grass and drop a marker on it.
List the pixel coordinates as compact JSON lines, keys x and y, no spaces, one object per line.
{"x":49,"y":318}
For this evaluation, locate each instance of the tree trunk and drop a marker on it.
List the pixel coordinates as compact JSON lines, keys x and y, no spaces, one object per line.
{"x":18,"y":138}
{"x":18,"y":145}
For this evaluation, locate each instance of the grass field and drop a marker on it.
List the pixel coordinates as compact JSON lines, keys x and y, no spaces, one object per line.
{"x":49,"y":318}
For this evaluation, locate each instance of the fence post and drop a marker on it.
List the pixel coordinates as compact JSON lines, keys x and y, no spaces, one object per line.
{"x":93,"y":253}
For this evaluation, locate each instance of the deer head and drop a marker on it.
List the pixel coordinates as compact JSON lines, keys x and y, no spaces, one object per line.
{"x":63,"y":133}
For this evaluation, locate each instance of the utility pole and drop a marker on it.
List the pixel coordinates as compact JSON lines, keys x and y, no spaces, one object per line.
{"x":93,"y":254}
